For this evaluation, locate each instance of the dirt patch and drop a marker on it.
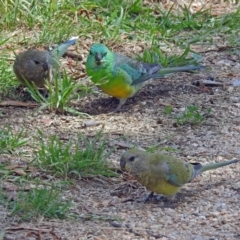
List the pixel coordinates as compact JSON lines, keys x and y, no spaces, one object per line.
{"x":107,"y":208}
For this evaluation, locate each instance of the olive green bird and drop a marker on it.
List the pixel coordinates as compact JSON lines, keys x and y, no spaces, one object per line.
{"x":35,"y":66}
{"x":161,"y":173}
{"x":120,"y":76}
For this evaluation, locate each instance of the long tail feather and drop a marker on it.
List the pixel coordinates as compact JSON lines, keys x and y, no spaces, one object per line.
{"x":165,"y":71}
{"x":62,"y":48}
{"x":217,"y":165}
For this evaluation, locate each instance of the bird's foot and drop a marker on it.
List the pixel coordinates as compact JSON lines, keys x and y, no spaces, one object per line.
{"x":169,"y":202}
{"x":117,"y":110}
{"x":151,"y":197}
{"x":164,"y":202}
{"x":119,"y":107}
{"x":148,"y":197}
{"x":109,"y":101}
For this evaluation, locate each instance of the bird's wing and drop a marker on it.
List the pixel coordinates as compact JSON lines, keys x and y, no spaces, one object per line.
{"x":163,"y":171}
{"x":179,"y":173}
{"x":138,"y":71}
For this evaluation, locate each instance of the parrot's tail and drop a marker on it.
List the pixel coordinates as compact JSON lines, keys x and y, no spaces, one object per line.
{"x":165,"y":71}
{"x":217,"y":165}
{"x":62,"y":48}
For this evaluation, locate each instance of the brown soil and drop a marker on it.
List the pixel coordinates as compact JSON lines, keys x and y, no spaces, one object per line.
{"x":209,"y":208}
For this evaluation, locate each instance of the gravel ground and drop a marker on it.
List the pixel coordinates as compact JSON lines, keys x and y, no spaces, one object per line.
{"x":209,"y":206}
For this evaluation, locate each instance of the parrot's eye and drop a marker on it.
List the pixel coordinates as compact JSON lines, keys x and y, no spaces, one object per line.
{"x":132,"y":158}
{"x":104,"y":54}
{"x":37,"y":62}
{"x":90,"y":52}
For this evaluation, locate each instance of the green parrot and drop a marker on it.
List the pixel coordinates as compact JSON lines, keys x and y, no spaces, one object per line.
{"x":35,"y":65}
{"x":161,"y":173}
{"x":120,"y":76}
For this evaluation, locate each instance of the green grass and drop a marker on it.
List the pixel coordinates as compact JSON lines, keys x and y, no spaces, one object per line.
{"x":158,"y":147}
{"x":192,"y":115}
{"x":153,"y":55}
{"x":10,"y":140}
{"x":73,"y":158}
{"x":7,"y":82}
{"x":34,"y":23}
{"x":51,"y":22}
{"x":168,"y":110}
{"x":59,"y":95}
{"x":33,"y":203}
{"x":57,"y":20}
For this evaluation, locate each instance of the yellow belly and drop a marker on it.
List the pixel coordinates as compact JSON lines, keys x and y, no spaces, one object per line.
{"x":165,"y":188}
{"x":118,"y":89}
{"x":157,"y":185}
{"x":118,"y":86}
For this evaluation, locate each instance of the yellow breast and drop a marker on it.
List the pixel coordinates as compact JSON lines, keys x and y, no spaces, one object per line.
{"x":165,"y":188}
{"x":157,"y":184}
{"x":118,"y":88}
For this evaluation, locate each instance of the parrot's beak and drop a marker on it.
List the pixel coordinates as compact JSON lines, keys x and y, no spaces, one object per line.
{"x":122,"y":163}
{"x":45,"y":66}
{"x":98,"y":58}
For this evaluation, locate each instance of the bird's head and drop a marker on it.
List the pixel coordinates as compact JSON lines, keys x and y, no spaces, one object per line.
{"x":39,"y":60}
{"x":133,"y":161}
{"x":99,"y":56}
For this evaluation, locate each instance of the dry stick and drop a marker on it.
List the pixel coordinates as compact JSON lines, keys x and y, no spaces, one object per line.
{"x":18,"y":104}
{"x":219,"y":48}
{"x":39,"y":230}
{"x":73,"y":55}
{"x":25,"y":228}
{"x":157,"y":236}
{"x":235,"y":83}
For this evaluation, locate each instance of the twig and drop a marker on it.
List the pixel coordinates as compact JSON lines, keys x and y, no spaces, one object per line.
{"x":35,"y":231}
{"x":157,"y":235}
{"x":26,"y":228}
{"x":210,"y":83}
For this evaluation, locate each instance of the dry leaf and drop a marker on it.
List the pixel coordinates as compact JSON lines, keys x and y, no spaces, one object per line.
{"x":18,"y":104}
{"x":19,"y":171}
{"x":9,"y":186}
{"x":48,"y":121}
{"x":10,"y":167}
{"x":121,"y":144}
{"x":91,"y":123}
